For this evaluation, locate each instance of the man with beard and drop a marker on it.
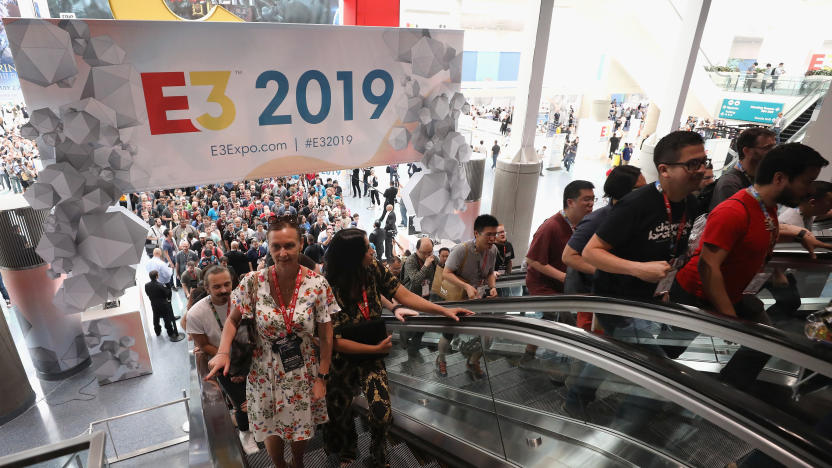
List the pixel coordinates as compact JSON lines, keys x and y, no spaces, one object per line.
{"x":204,"y":324}
{"x":737,"y":243}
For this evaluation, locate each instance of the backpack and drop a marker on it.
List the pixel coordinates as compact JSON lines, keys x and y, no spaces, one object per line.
{"x":208,"y":260}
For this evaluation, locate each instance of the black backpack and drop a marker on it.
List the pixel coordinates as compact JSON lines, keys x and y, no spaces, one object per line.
{"x":208,"y":260}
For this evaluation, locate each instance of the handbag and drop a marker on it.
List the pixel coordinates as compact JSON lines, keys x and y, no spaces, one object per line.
{"x":369,"y":332}
{"x":242,"y":347}
{"x":448,"y":290}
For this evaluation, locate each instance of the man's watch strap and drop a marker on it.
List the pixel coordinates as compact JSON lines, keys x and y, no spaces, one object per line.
{"x":323,"y":377}
{"x":800,"y":235}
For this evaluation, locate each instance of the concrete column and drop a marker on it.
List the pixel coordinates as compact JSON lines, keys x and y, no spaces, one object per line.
{"x":681,"y":69}
{"x":55,"y":340}
{"x":517,"y":173}
{"x":818,"y":135}
{"x":679,"y":74}
{"x":474,"y":172}
{"x":17,"y":393}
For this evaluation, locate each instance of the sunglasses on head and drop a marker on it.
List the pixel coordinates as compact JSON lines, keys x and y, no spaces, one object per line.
{"x":289,"y":218}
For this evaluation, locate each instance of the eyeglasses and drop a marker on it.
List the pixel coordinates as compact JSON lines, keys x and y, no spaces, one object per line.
{"x":692,"y":165}
{"x":765,"y":148}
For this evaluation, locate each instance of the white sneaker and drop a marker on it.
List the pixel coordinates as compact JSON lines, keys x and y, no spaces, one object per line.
{"x":249,"y":445}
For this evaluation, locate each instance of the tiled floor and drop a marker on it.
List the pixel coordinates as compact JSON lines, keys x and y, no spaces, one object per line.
{"x":61,"y":412}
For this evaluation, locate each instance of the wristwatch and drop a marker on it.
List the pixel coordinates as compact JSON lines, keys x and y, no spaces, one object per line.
{"x":324,"y":377}
{"x":800,"y":235}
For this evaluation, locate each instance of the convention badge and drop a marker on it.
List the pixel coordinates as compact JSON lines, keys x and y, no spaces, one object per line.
{"x":665,"y":284}
{"x":757,"y":283}
{"x":425,"y":288}
{"x":288,"y":348}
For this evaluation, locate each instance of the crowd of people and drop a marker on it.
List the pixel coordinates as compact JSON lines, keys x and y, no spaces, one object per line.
{"x":19,"y":157}
{"x":285,"y":259}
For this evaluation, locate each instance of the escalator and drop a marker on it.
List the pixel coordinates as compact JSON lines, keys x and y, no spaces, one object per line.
{"x":799,"y":122}
{"x":637,"y":409}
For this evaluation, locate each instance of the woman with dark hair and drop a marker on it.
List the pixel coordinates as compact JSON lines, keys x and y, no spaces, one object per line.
{"x":361,"y":285}
{"x":286,"y":383}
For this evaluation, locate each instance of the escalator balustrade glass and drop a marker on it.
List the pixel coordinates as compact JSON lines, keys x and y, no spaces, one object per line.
{"x":540,"y":405}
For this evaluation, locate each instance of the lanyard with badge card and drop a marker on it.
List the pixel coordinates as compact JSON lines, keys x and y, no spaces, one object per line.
{"x":288,"y":346}
{"x":676,"y":261}
{"x":482,"y":288}
{"x":760,"y":278}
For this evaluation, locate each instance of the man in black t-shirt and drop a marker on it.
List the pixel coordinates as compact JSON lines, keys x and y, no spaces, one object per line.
{"x":635,"y":248}
{"x":752,"y":145}
{"x":648,"y":229}
{"x":238,"y":260}
{"x":505,"y":253}
{"x":505,"y":256}
{"x":390,"y":194}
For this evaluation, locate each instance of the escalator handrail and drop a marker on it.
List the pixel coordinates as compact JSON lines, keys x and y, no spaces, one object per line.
{"x":93,"y":442}
{"x":774,"y":426}
{"x":769,"y":340}
{"x":213,"y":437}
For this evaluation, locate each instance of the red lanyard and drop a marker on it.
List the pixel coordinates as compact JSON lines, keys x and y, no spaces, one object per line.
{"x":365,"y":310}
{"x":287,"y":316}
{"x":681,"y":228}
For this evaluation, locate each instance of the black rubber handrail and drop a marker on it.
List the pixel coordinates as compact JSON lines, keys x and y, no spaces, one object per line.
{"x":772,"y":423}
{"x":770,"y":340}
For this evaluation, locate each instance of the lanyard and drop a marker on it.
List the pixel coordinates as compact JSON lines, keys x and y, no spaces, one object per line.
{"x":771,"y":227}
{"x":287,"y":315}
{"x":365,"y":310}
{"x":217,"y":316}
{"x":681,"y":227}
{"x":571,"y":226}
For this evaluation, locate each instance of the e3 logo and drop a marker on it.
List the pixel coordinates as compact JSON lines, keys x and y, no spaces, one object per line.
{"x":158,"y":104}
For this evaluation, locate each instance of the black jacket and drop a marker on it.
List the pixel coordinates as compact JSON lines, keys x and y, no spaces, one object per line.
{"x":158,"y":294}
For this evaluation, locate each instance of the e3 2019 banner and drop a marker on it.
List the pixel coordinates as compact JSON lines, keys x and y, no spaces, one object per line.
{"x":192,"y":103}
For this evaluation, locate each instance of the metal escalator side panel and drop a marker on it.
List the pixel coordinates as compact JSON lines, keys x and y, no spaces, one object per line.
{"x":213,"y":437}
{"x":777,"y":434}
{"x":765,"y":339}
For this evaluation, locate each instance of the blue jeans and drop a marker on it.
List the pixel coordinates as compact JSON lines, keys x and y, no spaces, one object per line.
{"x":16,"y":187}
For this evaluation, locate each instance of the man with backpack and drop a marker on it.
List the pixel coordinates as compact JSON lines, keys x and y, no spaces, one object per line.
{"x":210,"y":255}
{"x":728,"y":267}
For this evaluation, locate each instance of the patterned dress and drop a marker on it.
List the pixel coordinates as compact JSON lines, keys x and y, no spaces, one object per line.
{"x":369,"y":375}
{"x":281,"y":403}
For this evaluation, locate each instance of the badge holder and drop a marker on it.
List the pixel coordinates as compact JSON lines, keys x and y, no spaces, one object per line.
{"x":288,"y":348}
{"x":667,"y":282}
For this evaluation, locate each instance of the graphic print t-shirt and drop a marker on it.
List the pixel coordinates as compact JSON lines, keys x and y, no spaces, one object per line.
{"x":638,"y":230}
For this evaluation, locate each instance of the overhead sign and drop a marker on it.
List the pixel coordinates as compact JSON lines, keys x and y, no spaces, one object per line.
{"x":750,"y":111}
{"x":819,"y":61}
{"x":237,"y":100}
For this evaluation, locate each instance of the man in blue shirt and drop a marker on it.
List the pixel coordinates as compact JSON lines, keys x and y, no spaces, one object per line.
{"x":214,"y":212}
{"x":156,"y":263}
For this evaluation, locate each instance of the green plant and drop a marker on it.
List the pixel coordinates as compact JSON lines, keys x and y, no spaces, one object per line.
{"x":720,"y":68}
{"x":825,"y":71}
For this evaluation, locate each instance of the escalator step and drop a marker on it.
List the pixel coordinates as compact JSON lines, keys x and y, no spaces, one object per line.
{"x":401,"y":456}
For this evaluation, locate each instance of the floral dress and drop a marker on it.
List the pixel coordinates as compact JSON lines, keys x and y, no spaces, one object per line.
{"x":281,"y":403}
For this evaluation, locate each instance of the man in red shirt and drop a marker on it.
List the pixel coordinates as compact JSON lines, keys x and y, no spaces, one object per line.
{"x":727,"y":269}
{"x":546,"y":271}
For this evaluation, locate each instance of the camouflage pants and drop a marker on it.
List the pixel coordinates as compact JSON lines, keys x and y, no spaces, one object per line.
{"x":339,"y":434}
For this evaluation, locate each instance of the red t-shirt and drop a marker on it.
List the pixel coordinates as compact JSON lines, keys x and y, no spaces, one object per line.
{"x":547,"y":248}
{"x":738,"y":226}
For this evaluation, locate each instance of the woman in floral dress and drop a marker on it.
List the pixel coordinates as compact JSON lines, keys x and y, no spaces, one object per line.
{"x":286,"y":384}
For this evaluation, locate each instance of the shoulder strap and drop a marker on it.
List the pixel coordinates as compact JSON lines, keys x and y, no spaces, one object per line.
{"x":464,"y":257}
{"x":747,"y":213}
